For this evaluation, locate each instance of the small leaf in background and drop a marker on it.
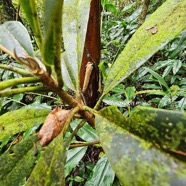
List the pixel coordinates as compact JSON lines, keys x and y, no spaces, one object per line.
{"x":176,"y":66}
{"x":87,"y":133}
{"x":130,"y":93}
{"x":158,"y":77}
{"x":53,"y":125}
{"x":113,"y":100}
{"x":103,"y":175}
{"x":73,"y":158}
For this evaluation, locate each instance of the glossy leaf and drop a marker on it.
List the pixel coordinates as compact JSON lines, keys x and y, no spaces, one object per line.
{"x":75,"y":19}
{"x":135,"y":161}
{"x":170,"y":21}
{"x":30,"y":10}
{"x":20,"y":120}
{"x":74,"y":156}
{"x":13,"y":35}
{"x":17,"y":163}
{"x":49,"y":169}
{"x":102,"y":173}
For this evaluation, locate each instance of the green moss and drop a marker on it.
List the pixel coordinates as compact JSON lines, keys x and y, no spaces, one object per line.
{"x":170,"y":20}
{"x":20,"y":120}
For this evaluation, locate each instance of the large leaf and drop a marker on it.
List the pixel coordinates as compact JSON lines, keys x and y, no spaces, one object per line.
{"x":164,"y":128}
{"x":50,"y":167}
{"x":30,"y":10}
{"x":17,"y":163}
{"x":52,"y":30}
{"x":13,"y":35}
{"x":73,"y":158}
{"x":102,"y":173}
{"x":75,"y":20}
{"x":20,"y":120}
{"x":68,"y":73}
{"x":135,"y":161}
{"x":170,"y":21}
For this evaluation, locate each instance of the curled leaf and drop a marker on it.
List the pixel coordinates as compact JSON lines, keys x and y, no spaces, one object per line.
{"x":30,"y":63}
{"x":53,"y":125}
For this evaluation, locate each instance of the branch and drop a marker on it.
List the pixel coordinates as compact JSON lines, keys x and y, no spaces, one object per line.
{"x":143,"y":12}
{"x":52,"y":85}
{"x":68,"y":141}
{"x":11,"y":92}
{"x":17,"y":81}
{"x":15,"y":69}
{"x":69,"y":119}
{"x":82,"y":144}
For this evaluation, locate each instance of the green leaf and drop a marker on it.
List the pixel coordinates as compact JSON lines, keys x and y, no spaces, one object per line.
{"x":87,"y":133}
{"x":52,"y":31}
{"x":135,"y":161}
{"x":73,"y":158}
{"x":20,"y":120}
{"x":102,"y":173}
{"x":158,"y":77}
{"x":17,"y":163}
{"x":75,"y":19}
{"x":30,"y":10}
{"x":176,"y":66}
{"x":115,"y":101}
{"x":110,"y":7}
{"x":68,"y":73}
{"x":13,"y":35}
{"x":163,"y":127}
{"x":130,"y":93}
{"x":170,"y":21}
{"x":49,"y":169}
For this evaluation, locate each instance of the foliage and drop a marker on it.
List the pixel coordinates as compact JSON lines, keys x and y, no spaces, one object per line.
{"x":142,"y":145}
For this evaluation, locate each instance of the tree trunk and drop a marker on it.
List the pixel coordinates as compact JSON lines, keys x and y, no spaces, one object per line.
{"x":7,"y":12}
{"x":92,"y":54}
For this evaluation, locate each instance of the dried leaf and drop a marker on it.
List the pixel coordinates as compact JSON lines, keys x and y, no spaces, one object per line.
{"x":53,"y":125}
{"x":154,"y":30}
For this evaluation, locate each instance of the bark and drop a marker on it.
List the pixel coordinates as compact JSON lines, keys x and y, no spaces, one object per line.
{"x":144,"y":11}
{"x":8,"y":12}
{"x":92,"y":54}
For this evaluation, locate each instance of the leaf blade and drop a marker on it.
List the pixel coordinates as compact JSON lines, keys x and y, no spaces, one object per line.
{"x":130,"y":155}
{"x":75,"y":19}
{"x":13,"y":35}
{"x":136,"y":53}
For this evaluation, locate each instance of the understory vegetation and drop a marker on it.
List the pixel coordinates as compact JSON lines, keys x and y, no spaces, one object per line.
{"x":136,"y":132}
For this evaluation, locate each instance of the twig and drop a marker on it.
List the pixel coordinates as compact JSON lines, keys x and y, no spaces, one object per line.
{"x":6,"y":93}
{"x":16,"y":70}
{"x":69,"y":119}
{"x":82,"y":144}
{"x":17,"y":81}
{"x":143,"y":12}
{"x":68,"y":141}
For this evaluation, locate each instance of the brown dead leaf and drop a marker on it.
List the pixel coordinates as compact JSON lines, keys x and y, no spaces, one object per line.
{"x":53,"y":125}
{"x":153,"y":29}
